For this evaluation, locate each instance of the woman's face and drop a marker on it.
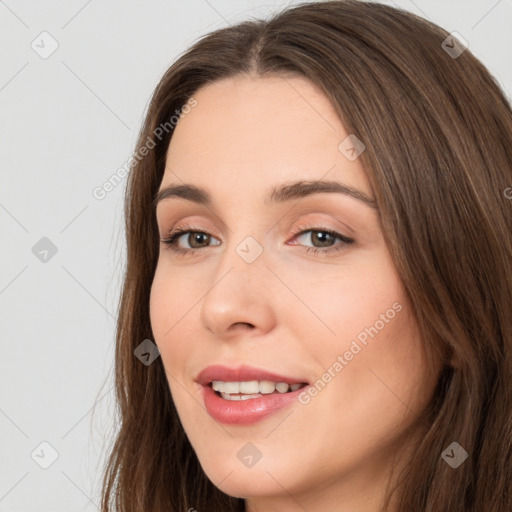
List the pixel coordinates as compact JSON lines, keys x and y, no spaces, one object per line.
{"x":296,"y":283}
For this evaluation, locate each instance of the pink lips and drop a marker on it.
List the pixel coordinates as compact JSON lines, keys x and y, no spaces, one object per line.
{"x":244,"y":412}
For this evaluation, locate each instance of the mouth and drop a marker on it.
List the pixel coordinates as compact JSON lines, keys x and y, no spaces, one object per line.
{"x":246,"y":395}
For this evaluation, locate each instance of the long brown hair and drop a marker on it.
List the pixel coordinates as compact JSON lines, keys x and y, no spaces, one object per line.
{"x":438,"y":135}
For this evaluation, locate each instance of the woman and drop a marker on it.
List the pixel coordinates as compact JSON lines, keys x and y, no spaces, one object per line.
{"x":321,"y":251}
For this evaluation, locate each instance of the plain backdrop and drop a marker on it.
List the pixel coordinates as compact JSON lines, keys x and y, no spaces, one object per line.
{"x":69,"y":120}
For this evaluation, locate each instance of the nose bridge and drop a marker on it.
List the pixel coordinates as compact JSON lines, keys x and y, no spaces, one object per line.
{"x":242,"y":264}
{"x":244,"y":243}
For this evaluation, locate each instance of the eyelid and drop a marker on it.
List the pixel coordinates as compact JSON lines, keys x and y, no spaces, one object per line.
{"x":301,"y":229}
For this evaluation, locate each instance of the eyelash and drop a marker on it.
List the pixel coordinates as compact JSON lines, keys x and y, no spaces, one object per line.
{"x":174,"y":235}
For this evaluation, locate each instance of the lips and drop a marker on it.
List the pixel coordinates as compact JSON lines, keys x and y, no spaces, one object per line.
{"x":252,"y":410}
{"x":242,"y":374}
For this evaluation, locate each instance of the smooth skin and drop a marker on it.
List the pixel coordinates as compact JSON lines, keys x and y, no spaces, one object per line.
{"x":290,"y":311}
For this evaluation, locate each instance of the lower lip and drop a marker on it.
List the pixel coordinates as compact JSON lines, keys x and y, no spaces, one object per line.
{"x":246,"y":412}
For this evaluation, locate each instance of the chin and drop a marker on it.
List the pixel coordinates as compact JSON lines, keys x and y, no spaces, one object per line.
{"x":239,"y":481}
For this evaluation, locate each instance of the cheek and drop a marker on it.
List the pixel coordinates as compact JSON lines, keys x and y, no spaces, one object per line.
{"x":165,"y":309}
{"x":339,"y":304}
{"x":171,"y":299}
{"x":361,"y":314}
{"x":378,"y":362}
{"x":168,"y":303}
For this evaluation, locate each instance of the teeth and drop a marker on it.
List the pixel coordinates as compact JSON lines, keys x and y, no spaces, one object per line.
{"x":266,"y":387}
{"x":248,"y":387}
{"x":252,"y":389}
{"x":230,"y":387}
{"x":282,"y":387}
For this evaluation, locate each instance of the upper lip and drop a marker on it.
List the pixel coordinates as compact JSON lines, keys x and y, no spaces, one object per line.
{"x":241,"y":374}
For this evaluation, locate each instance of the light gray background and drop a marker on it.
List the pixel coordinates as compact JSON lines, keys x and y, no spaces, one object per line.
{"x":68,"y":123}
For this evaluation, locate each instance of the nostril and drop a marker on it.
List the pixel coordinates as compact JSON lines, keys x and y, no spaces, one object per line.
{"x":242,"y":324}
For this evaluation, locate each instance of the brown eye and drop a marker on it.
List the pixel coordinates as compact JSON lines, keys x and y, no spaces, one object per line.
{"x":194,"y":238}
{"x":322,"y":240}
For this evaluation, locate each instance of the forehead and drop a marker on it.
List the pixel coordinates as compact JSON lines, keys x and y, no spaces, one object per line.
{"x":249,"y":132}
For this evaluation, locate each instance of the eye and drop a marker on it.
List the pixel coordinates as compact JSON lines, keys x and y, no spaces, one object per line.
{"x":195,"y":239}
{"x":324,"y":239}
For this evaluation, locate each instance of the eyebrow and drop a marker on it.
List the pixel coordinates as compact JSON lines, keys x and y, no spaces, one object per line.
{"x":279,"y":194}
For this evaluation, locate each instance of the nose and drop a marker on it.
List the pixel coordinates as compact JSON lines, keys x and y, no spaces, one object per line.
{"x":239,"y":297}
